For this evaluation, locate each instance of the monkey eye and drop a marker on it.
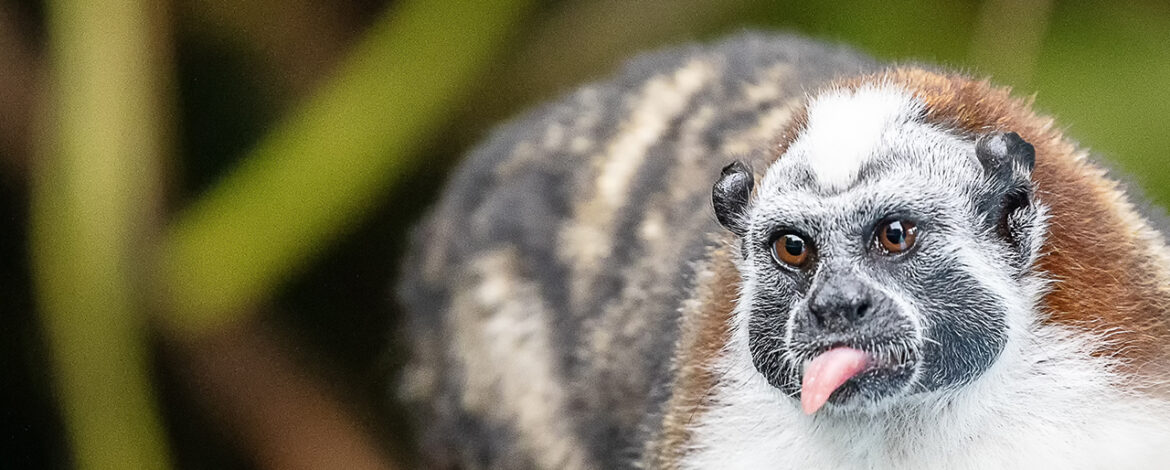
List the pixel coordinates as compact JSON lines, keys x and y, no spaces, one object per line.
{"x":791,"y":249}
{"x":896,"y":236}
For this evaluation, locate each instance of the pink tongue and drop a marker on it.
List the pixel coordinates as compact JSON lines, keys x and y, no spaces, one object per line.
{"x":827,"y":372}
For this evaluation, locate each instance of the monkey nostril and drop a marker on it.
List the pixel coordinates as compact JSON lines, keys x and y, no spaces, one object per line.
{"x":862,"y":309}
{"x":818,"y":317}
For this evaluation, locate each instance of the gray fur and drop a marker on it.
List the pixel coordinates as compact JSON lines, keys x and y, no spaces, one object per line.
{"x":604,"y":306}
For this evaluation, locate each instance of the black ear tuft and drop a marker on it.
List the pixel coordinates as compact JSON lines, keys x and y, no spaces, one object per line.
{"x":1005,"y":153}
{"x":730,"y":196}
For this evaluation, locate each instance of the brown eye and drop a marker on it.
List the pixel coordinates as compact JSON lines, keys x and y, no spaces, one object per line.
{"x":790,"y":249}
{"x":896,"y":236}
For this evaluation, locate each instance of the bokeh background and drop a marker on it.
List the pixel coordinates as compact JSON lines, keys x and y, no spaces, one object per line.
{"x":202,"y":202}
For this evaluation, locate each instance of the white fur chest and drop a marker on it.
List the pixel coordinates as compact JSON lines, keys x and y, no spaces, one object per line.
{"x":1045,"y":404}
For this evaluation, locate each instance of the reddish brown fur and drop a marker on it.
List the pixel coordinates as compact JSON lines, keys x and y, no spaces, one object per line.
{"x":794,"y":128}
{"x":705,"y":331}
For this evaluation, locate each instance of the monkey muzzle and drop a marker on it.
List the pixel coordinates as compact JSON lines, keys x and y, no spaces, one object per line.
{"x":854,"y":345}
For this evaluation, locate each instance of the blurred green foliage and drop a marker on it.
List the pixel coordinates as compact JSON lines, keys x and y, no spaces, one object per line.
{"x":93,"y":198}
{"x":317,"y":173}
{"x":311,"y":136}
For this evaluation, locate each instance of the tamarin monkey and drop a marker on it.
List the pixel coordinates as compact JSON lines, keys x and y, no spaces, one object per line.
{"x":772,"y":253}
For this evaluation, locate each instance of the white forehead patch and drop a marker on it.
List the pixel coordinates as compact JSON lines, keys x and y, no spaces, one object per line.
{"x":846,"y":127}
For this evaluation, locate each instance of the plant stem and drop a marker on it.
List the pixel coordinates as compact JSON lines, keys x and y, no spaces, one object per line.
{"x":93,"y":200}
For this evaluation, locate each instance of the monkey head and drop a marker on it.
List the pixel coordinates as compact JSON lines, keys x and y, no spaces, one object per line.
{"x":882,"y":257}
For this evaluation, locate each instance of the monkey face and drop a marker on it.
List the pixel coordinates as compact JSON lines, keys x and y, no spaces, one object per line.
{"x":907,"y":279}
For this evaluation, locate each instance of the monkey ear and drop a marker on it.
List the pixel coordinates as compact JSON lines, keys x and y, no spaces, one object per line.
{"x":730,"y":196}
{"x":1008,"y":161}
{"x":1005,"y":154}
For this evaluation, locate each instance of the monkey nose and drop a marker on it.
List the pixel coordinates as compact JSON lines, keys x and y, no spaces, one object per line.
{"x":842,"y":305}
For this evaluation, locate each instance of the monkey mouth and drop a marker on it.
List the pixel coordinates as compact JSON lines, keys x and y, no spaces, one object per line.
{"x":853,"y":375}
